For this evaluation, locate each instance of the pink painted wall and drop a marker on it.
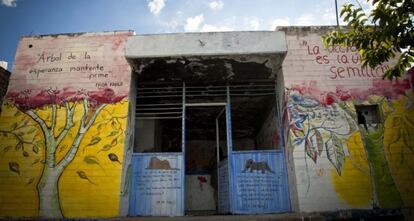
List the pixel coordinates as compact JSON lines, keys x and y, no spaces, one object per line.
{"x":54,"y":62}
{"x":336,"y":162}
{"x":64,"y":127}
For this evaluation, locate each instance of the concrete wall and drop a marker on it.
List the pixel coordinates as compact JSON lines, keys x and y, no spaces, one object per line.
{"x":64,"y":126}
{"x":199,"y":193}
{"x":338,"y":163}
{"x":268,"y":137}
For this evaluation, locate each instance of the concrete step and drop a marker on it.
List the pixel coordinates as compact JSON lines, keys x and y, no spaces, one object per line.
{"x":261,"y":217}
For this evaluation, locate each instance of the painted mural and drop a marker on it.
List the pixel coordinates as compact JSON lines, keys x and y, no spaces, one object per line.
{"x":314,"y":124}
{"x":158,"y":185}
{"x":339,"y":159}
{"x":63,"y":127}
{"x":259,"y":167}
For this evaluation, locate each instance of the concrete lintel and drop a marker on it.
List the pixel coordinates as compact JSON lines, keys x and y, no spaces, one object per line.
{"x":206,"y":44}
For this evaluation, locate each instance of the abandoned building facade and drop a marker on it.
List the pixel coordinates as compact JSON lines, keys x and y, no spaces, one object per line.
{"x":115,"y":124}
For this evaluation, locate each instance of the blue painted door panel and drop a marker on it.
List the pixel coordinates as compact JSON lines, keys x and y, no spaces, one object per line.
{"x":157,"y":187}
{"x":259,"y":182}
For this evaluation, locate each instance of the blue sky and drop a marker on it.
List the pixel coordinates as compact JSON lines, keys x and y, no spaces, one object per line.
{"x":34,"y":17}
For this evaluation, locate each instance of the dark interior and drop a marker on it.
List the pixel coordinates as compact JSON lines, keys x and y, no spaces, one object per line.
{"x":161,"y":84}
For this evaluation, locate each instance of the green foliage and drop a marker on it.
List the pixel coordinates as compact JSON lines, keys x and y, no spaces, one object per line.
{"x":335,"y":152}
{"x":387,"y":33}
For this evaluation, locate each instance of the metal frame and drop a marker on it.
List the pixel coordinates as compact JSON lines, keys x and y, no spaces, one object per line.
{"x":217,"y":132}
{"x":183,"y":147}
{"x":154,"y":110}
{"x":218,"y":154}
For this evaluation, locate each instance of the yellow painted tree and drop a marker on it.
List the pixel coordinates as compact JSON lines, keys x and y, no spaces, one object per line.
{"x":70,"y":115}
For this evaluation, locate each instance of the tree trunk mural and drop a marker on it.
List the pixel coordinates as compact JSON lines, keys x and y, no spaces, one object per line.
{"x":92,"y":104}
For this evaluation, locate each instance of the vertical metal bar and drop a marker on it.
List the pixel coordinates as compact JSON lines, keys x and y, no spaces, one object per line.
{"x":218,"y":154}
{"x":228,"y":122}
{"x":218,"y":159}
{"x":336,"y":10}
{"x":183,"y":151}
{"x":229,"y":150}
{"x":277,"y":107}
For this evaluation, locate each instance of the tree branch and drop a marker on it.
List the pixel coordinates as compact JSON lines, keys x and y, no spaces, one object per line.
{"x":39,"y":120}
{"x":95,"y":114}
{"x":18,"y":138}
{"x":70,"y":155}
{"x":52,"y":127}
{"x":86,"y":112}
{"x":50,"y":146}
{"x":69,"y":123}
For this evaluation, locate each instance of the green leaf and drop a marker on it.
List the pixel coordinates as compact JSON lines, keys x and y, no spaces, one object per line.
{"x":7,"y":149}
{"x":310,"y":150}
{"x":113,"y":133}
{"x":83,"y":175}
{"x":13,"y":126}
{"x":14,"y":167}
{"x":335,"y":153}
{"x":114,"y":142}
{"x":35,"y":161}
{"x":30,"y":181}
{"x":113,"y":124}
{"x":25,"y":153}
{"x":35,"y":149}
{"x":319,"y":142}
{"x":113,"y":157}
{"x":90,"y":159}
{"x":18,"y":146}
{"x":105,"y":148}
{"x":31,"y":131}
{"x":94,"y":141}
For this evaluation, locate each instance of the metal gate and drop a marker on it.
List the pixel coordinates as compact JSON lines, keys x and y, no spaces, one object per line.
{"x":249,"y":182}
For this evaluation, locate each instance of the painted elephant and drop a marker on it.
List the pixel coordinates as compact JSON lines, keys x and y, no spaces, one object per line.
{"x":260,"y":166}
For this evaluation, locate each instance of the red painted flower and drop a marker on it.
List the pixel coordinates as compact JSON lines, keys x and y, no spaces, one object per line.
{"x":26,"y":100}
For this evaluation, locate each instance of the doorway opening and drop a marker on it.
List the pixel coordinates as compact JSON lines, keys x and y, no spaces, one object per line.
{"x":206,"y":147}
{"x":185,"y":137}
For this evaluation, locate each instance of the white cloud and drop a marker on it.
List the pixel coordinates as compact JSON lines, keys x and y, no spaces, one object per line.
{"x":279,"y":22}
{"x":252,"y":23}
{"x":9,"y":3}
{"x":212,"y":28}
{"x":216,"y":5}
{"x":155,"y":6}
{"x":194,"y":23}
{"x":305,"y":20}
{"x":329,"y":16}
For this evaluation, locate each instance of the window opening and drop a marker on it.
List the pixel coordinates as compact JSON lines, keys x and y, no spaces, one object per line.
{"x":368,"y":115}
{"x":158,"y":125}
{"x":254,"y":118}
